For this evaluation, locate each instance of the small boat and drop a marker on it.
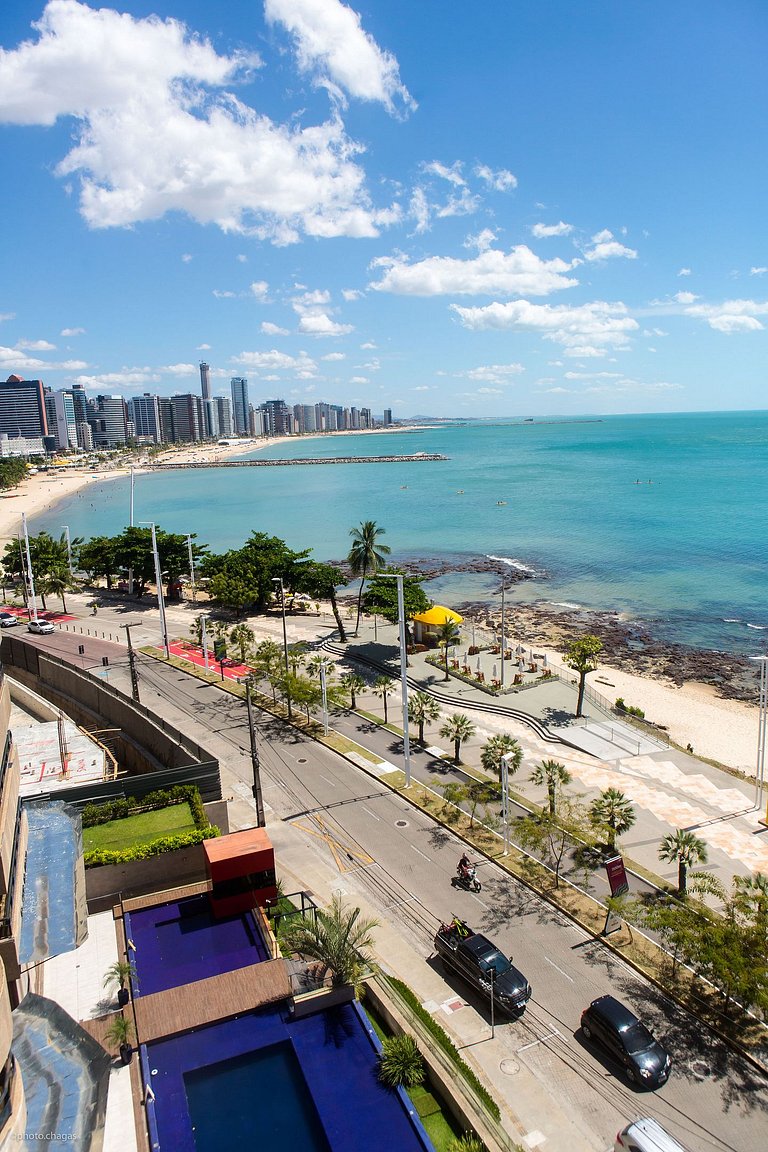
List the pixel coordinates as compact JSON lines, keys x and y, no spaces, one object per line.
{"x":500,"y":503}
{"x":403,"y":486}
{"x":459,"y":491}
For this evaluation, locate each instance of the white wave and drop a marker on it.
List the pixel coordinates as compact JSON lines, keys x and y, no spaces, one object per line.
{"x":757,"y":627}
{"x":566,"y":604}
{"x":513,"y":563}
{"x":731,"y":620}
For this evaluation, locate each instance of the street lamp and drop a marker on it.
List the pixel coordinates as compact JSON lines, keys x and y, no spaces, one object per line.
{"x":503,"y":633}
{"x":324,"y":687}
{"x":279,"y":580}
{"x":403,"y":666}
{"x":204,"y":640}
{"x":160,"y":596}
{"x":30,"y":575}
{"x":69,"y":547}
{"x":762,"y":727}
{"x":192,"y":569}
{"x":505,"y":762}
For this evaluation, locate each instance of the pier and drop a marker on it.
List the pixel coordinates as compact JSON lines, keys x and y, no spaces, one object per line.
{"x":414,"y":458}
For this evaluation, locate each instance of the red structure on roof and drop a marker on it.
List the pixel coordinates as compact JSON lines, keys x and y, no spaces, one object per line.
{"x":241,"y":868}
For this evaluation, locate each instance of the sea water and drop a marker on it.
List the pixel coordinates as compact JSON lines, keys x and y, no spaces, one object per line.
{"x":663,"y":518}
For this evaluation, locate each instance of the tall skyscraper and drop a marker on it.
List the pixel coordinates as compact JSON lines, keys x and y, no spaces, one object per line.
{"x":240,"y":405}
{"x":387,"y":417}
{"x":22,"y":408}
{"x":144,"y":412}
{"x":205,"y":380}
{"x":223,"y":408}
{"x":278,"y":418}
{"x":210,"y":429}
{"x":187,"y":417}
{"x":107,"y":417}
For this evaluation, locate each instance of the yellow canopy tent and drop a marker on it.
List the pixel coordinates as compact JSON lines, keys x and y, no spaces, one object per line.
{"x":437,"y":615}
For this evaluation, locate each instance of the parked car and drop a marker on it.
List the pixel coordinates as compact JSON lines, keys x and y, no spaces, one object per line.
{"x":41,"y":627}
{"x":646,"y":1135}
{"x":612,"y":1025}
{"x":8,"y":620}
{"x":483,"y":965}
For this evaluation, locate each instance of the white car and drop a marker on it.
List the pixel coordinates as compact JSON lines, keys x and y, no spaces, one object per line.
{"x":646,"y":1135}
{"x":41,"y":627}
{"x":8,"y":620}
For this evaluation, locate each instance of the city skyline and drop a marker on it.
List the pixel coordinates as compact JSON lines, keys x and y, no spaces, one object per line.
{"x":521,"y":210}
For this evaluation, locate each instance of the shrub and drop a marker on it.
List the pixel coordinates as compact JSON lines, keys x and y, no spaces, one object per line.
{"x":94,"y":814}
{"x":400,"y":1062}
{"x":628,"y":709}
{"x":466,"y":1143}
{"x":100,"y":856}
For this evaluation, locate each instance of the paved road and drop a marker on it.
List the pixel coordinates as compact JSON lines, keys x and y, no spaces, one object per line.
{"x":398,"y":862}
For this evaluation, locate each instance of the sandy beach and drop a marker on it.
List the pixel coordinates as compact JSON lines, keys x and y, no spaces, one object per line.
{"x":692,"y":712}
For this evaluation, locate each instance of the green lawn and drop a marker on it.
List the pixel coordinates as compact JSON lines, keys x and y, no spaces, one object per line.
{"x":141,"y":829}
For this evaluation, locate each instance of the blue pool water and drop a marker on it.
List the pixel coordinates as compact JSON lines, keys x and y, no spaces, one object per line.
{"x":287,"y":1119}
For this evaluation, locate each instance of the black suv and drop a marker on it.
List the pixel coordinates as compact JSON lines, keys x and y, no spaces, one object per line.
{"x":611,"y":1024}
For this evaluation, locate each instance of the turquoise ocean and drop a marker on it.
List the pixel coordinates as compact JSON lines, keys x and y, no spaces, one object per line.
{"x":662,"y":518}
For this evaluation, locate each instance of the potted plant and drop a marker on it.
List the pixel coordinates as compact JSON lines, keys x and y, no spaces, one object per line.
{"x":118,"y":974}
{"x":120,"y":1033}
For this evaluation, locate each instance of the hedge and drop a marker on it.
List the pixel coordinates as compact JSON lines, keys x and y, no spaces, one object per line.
{"x":100,"y":856}
{"x":94,"y":814}
{"x":445,"y":1042}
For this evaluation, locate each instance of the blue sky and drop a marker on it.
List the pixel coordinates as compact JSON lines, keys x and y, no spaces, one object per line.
{"x":513,"y":208}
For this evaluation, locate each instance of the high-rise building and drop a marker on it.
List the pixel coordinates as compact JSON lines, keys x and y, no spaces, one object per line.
{"x":22,"y":408}
{"x":108,"y":418}
{"x":60,"y":409}
{"x":167,"y":427}
{"x":144,"y":413}
{"x":82,"y":427}
{"x":187,"y":417}
{"x":239,"y":386}
{"x":205,"y":380}
{"x":223,"y":407}
{"x":305,"y":417}
{"x":387,"y":417}
{"x":277,"y":417}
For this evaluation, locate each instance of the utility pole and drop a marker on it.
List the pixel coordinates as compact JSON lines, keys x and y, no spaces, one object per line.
{"x":192,"y":569}
{"x":257,"y":796}
{"x":132,"y":664}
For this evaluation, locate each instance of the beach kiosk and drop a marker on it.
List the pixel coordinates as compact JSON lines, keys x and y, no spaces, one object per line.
{"x":427,"y":625}
{"x":241,"y":868}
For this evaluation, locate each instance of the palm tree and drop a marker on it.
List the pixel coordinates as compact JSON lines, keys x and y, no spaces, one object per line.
{"x":581,"y":655}
{"x":383,"y":686}
{"x":242,"y":637}
{"x":613,"y":812}
{"x":119,"y":973}
{"x":57,"y":582}
{"x":750,"y":896}
{"x":422,"y":709}
{"x":366,"y":556}
{"x":337,"y":938}
{"x":457,"y":728}
{"x":447,"y":635}
{"x":687,"y":849}
{"x":554,"y":775}
{"x":498,"y":746}
{"x":268,"y":662}
{"x":354,"y":683}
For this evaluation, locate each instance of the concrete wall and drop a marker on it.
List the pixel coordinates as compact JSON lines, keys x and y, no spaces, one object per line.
{"x":106,"y":884}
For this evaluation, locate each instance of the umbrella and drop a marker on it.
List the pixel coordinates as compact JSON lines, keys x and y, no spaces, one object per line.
{"x":478,"y":663}
{"x":495,"y":672}
{"x":521,"y":665}
{"x":519,"y":649}
{"x":545,"y":661}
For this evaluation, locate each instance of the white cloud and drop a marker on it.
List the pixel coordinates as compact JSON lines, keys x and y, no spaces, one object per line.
{"x":583,"y":330}
{"x":274,"y":361}
{"x":606,"y":248}
{"x":351,"y":294}
{"x":321,"y":324}
{"x":127,"y":378}
{"x":519,"y":271}
{"x":180,"y":369}
{"x":464,"y":204}
{"x":270,"y":329}
{"x":242,"y":259}
{"x":220,"y":294}
{"x":72,"y":332}
{"x":732,"y":315}
{"x":419,"y":209}
{"x":449,"y":172}
{"x":203,"y":348}
{"x":12,"y":316}
{"x":594,"y":375}
{"x":684,"y":297}
{"x":500,"y":181}
{"x":684,"y":272}
{"x":481,"y":240}
{"x":334,"y":356}
{"x":165,"y":137}
{"x":368,"y":346}
{"x":759,"y":271}
{"x":187,"y":258}
{"x":36,"y":345}
{"x":543,"y":231}
{"x":359,"y":380}
{"x":259,"y":289}
{"x":331,"y":42}
{"x":494,"y":373}
{"x":14,"y":360}
{"x":486,"y":392}
{"x":310,"y":299}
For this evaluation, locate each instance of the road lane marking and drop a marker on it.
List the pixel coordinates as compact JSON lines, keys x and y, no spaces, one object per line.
{"x":560,"y":970}
{"x":415,"y":849}
{"x":541,"y":1040}
{"x":326,"y":780}
{"x":373,"y":814}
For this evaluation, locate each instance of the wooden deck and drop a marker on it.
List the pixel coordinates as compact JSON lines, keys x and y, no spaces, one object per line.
{"x":206,"y":1001}
{"x":165,"y":896}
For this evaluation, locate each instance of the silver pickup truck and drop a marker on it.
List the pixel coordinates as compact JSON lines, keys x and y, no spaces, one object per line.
{"x":478,"y":961}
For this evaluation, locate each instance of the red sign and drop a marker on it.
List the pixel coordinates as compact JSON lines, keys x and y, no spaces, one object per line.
{"x":617,"y":876}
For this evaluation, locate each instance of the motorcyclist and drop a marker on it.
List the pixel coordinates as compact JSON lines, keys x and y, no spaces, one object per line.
{"x":465,"y":867}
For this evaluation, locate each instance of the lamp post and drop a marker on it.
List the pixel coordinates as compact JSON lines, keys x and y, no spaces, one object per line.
{"x":403,"y":667}
{"x":69,"y":547}
{"x":503,"y":634}
{"x":762,"y":728}
{"x":160,"y":596}
{"x":257,"y":794}
{"x":204,"y":639}
{"x":30,"y":576}
{"x":505,"y":759}
{"x":130,"y":522}
{"x":192,"y":569}
{"x":132,"y":663}
{"x":279,"y":580}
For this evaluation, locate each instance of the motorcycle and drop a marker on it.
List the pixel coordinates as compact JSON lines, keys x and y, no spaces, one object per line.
{"x":467,"y":879}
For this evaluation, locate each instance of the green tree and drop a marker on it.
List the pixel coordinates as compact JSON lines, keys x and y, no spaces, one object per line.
{"x":381,"y":596}
{"x":268,"y":661}
{"x":448,"y":635}
{"x":337,"y":938}
{"x":306,"y":694}
{"x":581,"y":655}
{"x":98,"y":557}
{"x":58,"y":582}
{"x":498,"y":746}
{"x":457,"y":728}
{"x":555,"y":776}
{"x":384,"y":686}
{"x":548,"y":838}
{"x":250,"y":571}
{"x":687,"y":849}
{"x":13,"y":469}
{"x":366,"y":556}
{"x":354,"y":683}
{"x":242,"y":637}
{"x":321,"y":581}
{"x":612,"y":813}
{"x":480,"y":792}
{"x":422,"y":709}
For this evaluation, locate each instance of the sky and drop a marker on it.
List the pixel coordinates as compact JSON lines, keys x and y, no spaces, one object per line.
{"x":516,"y":208}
